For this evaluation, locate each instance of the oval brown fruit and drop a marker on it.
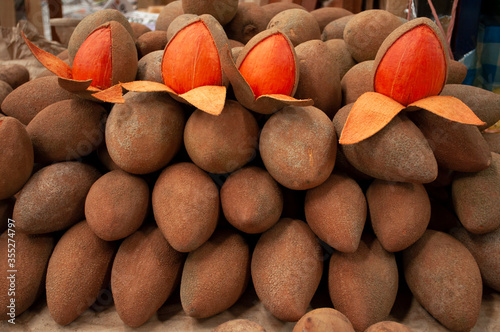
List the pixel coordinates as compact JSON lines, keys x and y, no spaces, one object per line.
{"x":223,"y":10}
{"x":249,"y":20}
{"x":297,"y":24}
{"x":14,"y":74}
{"x":323,"y":319}
{"x":239,"y":325}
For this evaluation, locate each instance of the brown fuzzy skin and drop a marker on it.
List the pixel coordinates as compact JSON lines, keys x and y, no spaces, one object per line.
{"x":185,"y":205}
{"x":76,"y":273}
{"x":335,"y":29}
{"x":286,"y":268}
{"x":30,"y":98}
{"x":32,"y":254}
{"x":388,"y":326}
{"x":250,"y":19}
{"x":223,"y":10}
{"x":457,"y":72}
{"x":67,"y":130}
{"x":323,"y":319}
{"x":215,"y":275}
{"x":445,"y":279}
{"x":357,"y":81}
{"x":145,"y":272}
{"x":366,"y":31}
{"x":124,"y":54}
{"x":483,"y":103}
{"x":399,"y":152}
{"x":53,"y":199}
{"x":251,"y":200}
{"x":5,"y":89}
{"x":274,"y":8}
{"x":147,"y":121}
{"x":363,"y":285}
{"x":319,"y":78}
{"x":298,"y":147}
{"x":17,"y":157}
{"x":117,"y":205}
{"x":485,"y":248}
{"x":168,"y":14}
{"x":297,"y":24}
{"x":224,"y":143}
{"x":475,"y":197}
{"x":6,"y":209}
{"x":341,"y":56}
{"x":493,"y":140}
{"x":456,"y":146}
{"x":239,"y":325}
{"x":336,"y":211}
{"x":14,"y":74}
{"x":149,"y":67}
{"x":91,"y":22}
{"x":178,"y":23}
{"x":151,"y":41}
{"x":139,"y":29}
{"x":399,"y":213}
{"x":325,"y":15}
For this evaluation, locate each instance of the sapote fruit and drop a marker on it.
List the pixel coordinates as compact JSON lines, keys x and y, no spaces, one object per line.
{"x":223,"y":10}
{"x":297,"y":24}
{"x":191,"y":67}
{"x":266,"y":73}
{"x":250,"y":19}
{"x":409,"y":72}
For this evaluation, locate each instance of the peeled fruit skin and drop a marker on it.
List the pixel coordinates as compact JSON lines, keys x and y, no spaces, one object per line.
{"x":145,"y":272}
{"x":305,"y":155}
{"x":445,"y":279}
{"x":251,"y":200}
{"x":363,"y":285}
{"x":475,"y":198}
{"x":365,"y":32}
{"x":485,"y":248}
{"x":222,"y":10}
{"x":297,"y":24}
{"x":215,"y":275}
{"x":405,"y":157}
{"x":286,"y":268}
{"x":323,"y":319}
{"x":53,"y":199}
{"x":17,"y":157}
{"x":32,"y":254}
{"x":239,"y":325}
{"x":117,"y":205}
{"x":78,"y":269}
{"x":223,"y":143}
{"x":147,"y":121}
{"x":399,"y":213}
{"x":185,"y":205}
{"x":336,"y":211}
{"x":318,"y":76}
{"x":67,"y":130}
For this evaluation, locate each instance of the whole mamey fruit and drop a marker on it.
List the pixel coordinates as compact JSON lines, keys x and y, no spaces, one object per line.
{"x":297,"y":24}
{"x":222,"y":10}
{"x":14,"y":74}
{"x":323,"y":319}
{"x":239,"y":325}
{"x":249,"y":20}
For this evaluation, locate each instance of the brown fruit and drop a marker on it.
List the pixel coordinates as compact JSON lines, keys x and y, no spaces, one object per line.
{"x":222,"y":10}
{"x":145,"y":272}
{"x":336,"y":211}
{"x":356,"y":81}
{"x":14,"y":74}
{"x":475,"y":197}
{"x":223,"y":143}
{"x":340,"y":56}
{"x":251,"y":200}
{"x":24,"y":280}
{"x":388,"y":326}
{"x":363,"y":285}
{"x":298,"y":147}
{"x":168,"y":14}
{"x":151,"y":41}
{"x":399,"y":213}
{"x":457,"y":72}
{"x":335,"y":29}
{"x":250,"y":19}
{"x":286,"y":268}
{"x":147,"y":121}
{"x":117,"y":205}
{"x":323,"y":319}
{"x":319,"y":78}
{"x":239,"y":325}
{"x":5,"y":89}
{"x":78,"y":270}
{"x":185,"y":205}
{"x":149,"y":67}
{"x":325,"y":15}
{"x":139,"y":29}
{"x":274,"y":8}
{"x":17,"y":158}
{"x":67,"y":130}
{"x":30,"y":98}
{"x":445,"y":279}
{"x":297,"y":24}
{"x":215,"y":275}
{"x":53,"y":199}
{"x":399,"y":152}
{"x":493,"y":140}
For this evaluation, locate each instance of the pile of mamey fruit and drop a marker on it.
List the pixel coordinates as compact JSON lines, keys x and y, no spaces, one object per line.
{"x":240,"y":145}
